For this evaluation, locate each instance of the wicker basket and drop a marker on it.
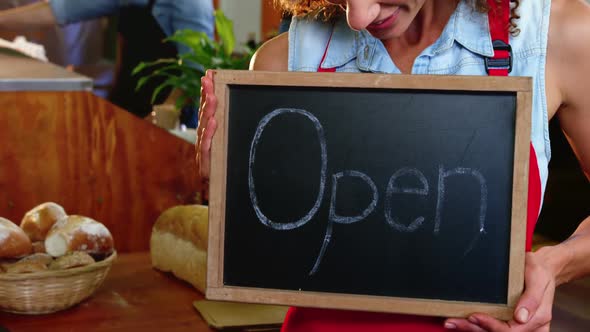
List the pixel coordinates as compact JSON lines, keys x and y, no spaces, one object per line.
{"x":51,"y":291}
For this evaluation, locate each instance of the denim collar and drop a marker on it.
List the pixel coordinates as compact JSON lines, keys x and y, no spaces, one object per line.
{"x":466,"y":26}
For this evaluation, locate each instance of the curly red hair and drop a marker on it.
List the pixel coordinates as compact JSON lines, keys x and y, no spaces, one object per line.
{"x":322,"y":9}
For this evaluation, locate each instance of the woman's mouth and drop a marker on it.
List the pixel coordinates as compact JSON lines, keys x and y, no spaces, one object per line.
{"x":385,"y":23}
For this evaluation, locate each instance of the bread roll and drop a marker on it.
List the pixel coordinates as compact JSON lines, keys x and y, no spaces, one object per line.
{"x":70,"y":260}
{"x":39,"y":247}
{"x":4,"y":263}
{"x":179,"y":243}
{"x":29,"y":264}
{"x":37,"y":222}
{"x":78,"y":233}
{"x":25,"y":267}
{"x":40,"y":257}
{"x":13,"y":241}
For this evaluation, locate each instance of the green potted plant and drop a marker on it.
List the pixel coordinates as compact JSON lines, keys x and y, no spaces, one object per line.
{"x":183,"y":74}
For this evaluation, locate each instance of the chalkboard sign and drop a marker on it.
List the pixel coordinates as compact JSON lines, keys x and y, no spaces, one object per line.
{"x":370,"y":192}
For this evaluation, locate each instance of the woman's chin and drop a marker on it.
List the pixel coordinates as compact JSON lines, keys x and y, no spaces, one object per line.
{"x":385,"y":34}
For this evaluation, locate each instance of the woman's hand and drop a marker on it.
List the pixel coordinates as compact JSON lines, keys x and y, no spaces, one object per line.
{"x":207,"y":125}
{"x":533,"y":311}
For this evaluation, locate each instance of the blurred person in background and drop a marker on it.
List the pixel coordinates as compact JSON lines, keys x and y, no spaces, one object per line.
{"x":76,"y":46}
{"x":142,"y":25}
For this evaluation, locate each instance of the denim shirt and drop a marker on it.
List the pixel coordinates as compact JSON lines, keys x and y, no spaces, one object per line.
{"x":171,"y":15}
{"x":460,"y":50}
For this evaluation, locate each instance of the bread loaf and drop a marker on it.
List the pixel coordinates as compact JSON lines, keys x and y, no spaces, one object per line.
{"x":13,"y":241}
{"x":78,"y":233}
{"x":179,"y":243}
{"x":37,"y":222}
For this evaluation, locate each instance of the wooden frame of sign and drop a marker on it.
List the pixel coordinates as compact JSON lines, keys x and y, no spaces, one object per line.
{"x":217,"y":288}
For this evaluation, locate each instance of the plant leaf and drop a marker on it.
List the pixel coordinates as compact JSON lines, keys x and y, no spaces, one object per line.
{"x":188,"y":37}
{"x":184,"y":73}
{"x":144,"y":65}
{"x":225,"y":31}
{"x":159,"y":89}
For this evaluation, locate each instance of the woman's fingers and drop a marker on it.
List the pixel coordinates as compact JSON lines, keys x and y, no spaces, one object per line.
{"x":463,"y":325}
{"x":492,"y":324}
{"x":536,"y":283}
{"x":208,"y":78}
{"x":205,"y":148}
{"x":207,"y":90}
{"x":207,"y":113}
{"x":207,"y":124}
{"x":538,"y":320}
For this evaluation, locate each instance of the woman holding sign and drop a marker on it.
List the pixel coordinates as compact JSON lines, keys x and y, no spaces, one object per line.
{"x":544,"y":39}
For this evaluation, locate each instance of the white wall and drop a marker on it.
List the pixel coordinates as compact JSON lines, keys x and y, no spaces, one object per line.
{"x":246,"y":15}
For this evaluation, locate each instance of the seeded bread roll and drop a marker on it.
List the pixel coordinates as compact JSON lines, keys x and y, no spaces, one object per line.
{"x":70,"y":260}
{"x":4,"y":263}
{"x":25,"y":267}
{"x":37,"y":222}
{"x":14,"y":243}
{"x":179,"y":243}
{"x":30,"y":264}
{"x":78,"y":233}
{"x":40,"y":257}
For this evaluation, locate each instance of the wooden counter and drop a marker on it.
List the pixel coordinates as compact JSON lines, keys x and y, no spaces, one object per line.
{"x":21,"y":73}
{"x":134,"y":297}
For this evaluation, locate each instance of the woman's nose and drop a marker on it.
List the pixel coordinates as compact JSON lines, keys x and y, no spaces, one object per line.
{"x":361,"y":13}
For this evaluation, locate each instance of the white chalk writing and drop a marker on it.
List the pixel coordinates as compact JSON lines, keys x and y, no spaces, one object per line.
{"x":393,"y":187}
{"x":324,"y":165}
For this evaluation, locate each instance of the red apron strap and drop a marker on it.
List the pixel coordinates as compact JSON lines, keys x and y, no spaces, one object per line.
{"x":320,"y":68}
{"x":500,"y":65}
{"x":499,"y":18}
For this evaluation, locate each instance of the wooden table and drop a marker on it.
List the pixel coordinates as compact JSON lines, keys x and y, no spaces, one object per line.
{"x":134,"y":297}
{"x":571,"y":308}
